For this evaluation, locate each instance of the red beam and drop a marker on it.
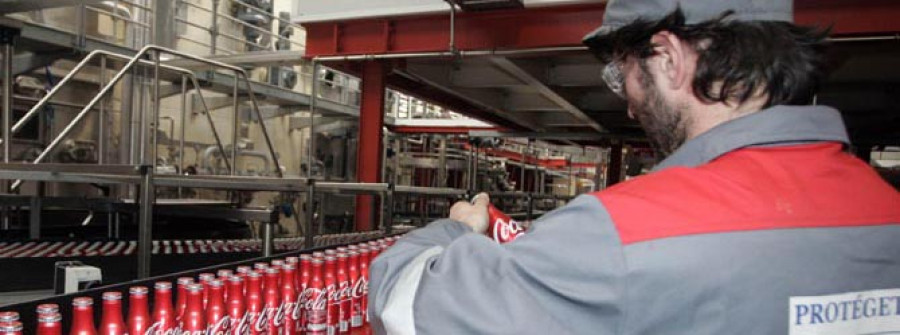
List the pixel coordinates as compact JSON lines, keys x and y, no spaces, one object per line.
{"x":504,"y":29}
{"x":557,"y":26}
{"x":368,"y":153}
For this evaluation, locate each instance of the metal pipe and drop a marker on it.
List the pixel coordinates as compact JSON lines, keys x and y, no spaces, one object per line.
{"x":235,"y":125}
{"x":145,"y":223}
{"x":156,"y":109}
{"x":313,"y":98}
{"x":183,"y":127}
{"x":452,"y":26}
{"x":310,"y":213}
{"x":214,"y":28}
{"x":7,"y":99}
{"x":268,"y":239}
{"x":101,"y":127}
{"x":462,"y":53}
{"x":7,"y":116}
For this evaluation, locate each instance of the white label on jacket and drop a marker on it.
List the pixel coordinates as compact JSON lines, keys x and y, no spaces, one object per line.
{"x":865,"y":312}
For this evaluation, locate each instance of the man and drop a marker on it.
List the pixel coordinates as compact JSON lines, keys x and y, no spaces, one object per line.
{"x":757,"y":222}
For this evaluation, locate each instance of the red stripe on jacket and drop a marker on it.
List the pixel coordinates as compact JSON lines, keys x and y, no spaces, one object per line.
{"x":760,"y":188}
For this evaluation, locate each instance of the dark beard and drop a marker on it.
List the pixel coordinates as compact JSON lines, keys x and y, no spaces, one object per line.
{"x":662,"y":122}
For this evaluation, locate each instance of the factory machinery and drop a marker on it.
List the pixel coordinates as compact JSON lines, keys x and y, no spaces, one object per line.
{"x":120,"y":183}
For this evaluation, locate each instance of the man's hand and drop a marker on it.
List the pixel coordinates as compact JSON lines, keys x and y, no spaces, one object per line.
{"x":474,"y":214}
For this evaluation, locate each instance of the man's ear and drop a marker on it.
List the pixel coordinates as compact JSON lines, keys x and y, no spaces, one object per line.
{"x":672,"y":56}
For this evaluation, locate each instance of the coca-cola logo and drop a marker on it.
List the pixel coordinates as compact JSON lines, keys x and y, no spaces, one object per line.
{"x":506,"y":231}
{"x":242,"y":325}
{"x":278,"y":314}
{"x":220,"y":327}
{"x":156,"y":329}
{"x":262,"y":321}
{"x":344,"y":291}
{"x":360,"y":287}
{"x":317,"y":301}
{"x":298,"y":305}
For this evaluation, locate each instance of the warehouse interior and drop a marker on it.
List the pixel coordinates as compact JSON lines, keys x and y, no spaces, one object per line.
{"x":145,"y":138}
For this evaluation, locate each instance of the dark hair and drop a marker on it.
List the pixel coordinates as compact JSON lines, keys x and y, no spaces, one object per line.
{"x":785,"y":61}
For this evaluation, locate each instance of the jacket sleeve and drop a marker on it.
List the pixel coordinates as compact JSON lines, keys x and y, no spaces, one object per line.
{"x":563,"y":276}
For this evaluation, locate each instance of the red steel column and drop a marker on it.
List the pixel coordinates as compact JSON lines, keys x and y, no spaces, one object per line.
{"x":369,"y":149}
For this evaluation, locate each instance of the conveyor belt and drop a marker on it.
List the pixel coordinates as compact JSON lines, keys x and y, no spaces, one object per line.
{"x":36,"y":249}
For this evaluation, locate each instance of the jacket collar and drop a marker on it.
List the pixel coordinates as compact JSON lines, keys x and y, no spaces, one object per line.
{"x":777,"y":125}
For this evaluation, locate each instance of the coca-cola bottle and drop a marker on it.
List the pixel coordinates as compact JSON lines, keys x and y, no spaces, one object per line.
{"x":216,"y":313}
{"x":317,"y":303}
{"x":138,"y":310}
{"x":181,"y":299}
{"x":303,"y":286}
{"x":289,"y":298}
{"x":254,"y":305}
{"x":112,"y":323}
{"x":193,"y":322}
{"x":163,"y":314}
{"x":274,"y":313}
{"x":260,"y":267}
{"x":204,"y":279}
{"x":318,"y":254}
{"x":277,"y":263}
{"x":238,"y":322}
{"x":83,"y":317}
{"x":224,"y":274}
{"x":501,"y":227}
{"x":242,"y":270}
{"x":331,"y":287}
{"x":356,"y":316}
{"x":49,"y":324}
{"x":362,"y":291}
{"x":11,"y":328}
{"x":342,"y":296}
{"x":8,"y":317}
{"x":47,"y":309}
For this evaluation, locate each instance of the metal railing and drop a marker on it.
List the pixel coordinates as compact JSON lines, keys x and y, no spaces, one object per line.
{"x":138,"y":59}
{"x":214,"y":30}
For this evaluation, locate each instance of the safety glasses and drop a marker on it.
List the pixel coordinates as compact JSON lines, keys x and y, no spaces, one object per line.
{"x":614,"y":78}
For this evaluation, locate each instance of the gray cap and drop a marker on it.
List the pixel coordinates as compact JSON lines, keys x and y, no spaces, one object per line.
{"x":619,"y":13}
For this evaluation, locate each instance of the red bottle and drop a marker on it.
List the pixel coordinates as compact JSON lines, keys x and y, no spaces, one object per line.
{"x":49,"y":324}
{"x":274,"y":313}
{"x":112,"y":323}
{"x":181,"y":301}
{"x":501,"y":227}
{"x":355,"y":294}
{"x":138,"y":310}
{"x":9,"y":317}
{"x":163,"y":314}
{"x":83,"y":317}
{"x":362,"y":289}
{"x":331,"y":287}
{"x":242,"y":270}
{"x":238,"y":322}
{"x":224,"y":274}
{"x":216,"y":313}
{"x":254,"y":305}
{"x":317,"y":302}
{"x":260,"y":266}
{"x":204,"y":279}
{"x":11,"y":328}
{"x":193,"y":322}
{"x":303,"y":286}
{"x":289,"y":298}
{"x":342,"y":296}
{"x":47,"y":309}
